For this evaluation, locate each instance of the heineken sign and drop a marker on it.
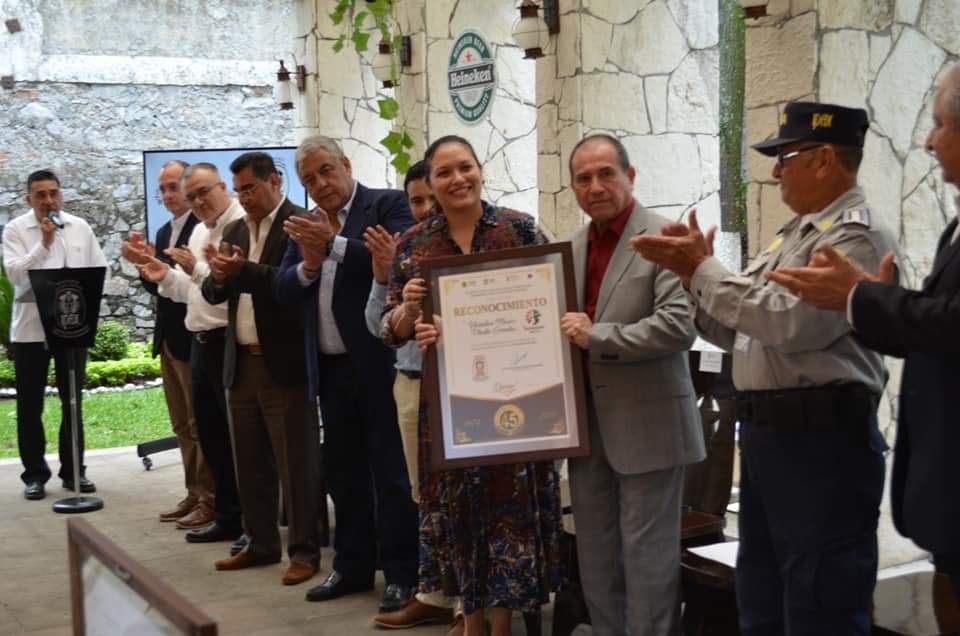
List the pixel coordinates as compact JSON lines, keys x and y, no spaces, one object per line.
{"x":471,"y":77}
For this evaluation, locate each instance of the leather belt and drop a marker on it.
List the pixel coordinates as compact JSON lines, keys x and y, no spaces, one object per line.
{"x":413,"y":375}
{"x":203,"y":337}
{"x":251,"y":349}
{"x":808,"y":409}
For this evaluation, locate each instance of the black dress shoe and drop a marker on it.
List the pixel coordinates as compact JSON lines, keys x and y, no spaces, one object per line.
{"x":336,"y":586}
{"x":34,"y":490}
{"x":239,"y":545}
{"x":85,"y":485}
{"x":395,"y":597}
{"x":211,"y":533}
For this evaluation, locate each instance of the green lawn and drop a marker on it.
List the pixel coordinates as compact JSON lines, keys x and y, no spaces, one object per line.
{"x":124,"y":418}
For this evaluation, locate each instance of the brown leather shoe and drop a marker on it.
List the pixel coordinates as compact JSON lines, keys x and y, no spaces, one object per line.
{"x":183,"y":508}
{"x":242,"y":561}
{"x":298,"y":572}
{"x":197,"y":518}
{"x":412,"y":614}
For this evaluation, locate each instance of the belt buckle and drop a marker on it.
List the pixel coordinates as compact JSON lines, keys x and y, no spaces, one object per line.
{"x":201,"y":337}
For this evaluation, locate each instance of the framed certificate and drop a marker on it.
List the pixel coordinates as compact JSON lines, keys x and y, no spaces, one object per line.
{"x":504,"y":384}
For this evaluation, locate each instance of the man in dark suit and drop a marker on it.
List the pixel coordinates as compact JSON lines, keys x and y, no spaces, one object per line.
{"x":274,"y":432}
{"x":327,"y":269}
{"x":171,"y":341}
{"x":923,"y":328}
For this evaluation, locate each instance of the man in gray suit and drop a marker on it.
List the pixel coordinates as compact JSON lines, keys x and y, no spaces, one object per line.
{"x":644,"y":423}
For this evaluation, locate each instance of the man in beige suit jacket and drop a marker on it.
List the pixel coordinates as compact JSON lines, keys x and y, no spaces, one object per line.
{"x":644,"y":424}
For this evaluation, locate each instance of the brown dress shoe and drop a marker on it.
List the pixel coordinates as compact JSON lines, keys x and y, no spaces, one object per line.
{"x":412,"y":614}
{"x":183,"y":508}
{"x":197,"y":518}
{"x":298,"y":572}
{"x":244,"y":560}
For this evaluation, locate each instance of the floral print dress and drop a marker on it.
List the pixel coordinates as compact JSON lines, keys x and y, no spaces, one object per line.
{"x":489,"y":534}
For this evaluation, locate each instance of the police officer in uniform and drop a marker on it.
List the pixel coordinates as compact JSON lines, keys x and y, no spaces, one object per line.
{"x":812,"y":455}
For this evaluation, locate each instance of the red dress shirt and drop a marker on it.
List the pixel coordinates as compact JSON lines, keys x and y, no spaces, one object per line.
{"x":600,"y":249}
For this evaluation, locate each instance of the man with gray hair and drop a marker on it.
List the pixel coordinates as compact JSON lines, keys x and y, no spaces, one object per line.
{"x":920,"y":327}
{"x":327,"y":270}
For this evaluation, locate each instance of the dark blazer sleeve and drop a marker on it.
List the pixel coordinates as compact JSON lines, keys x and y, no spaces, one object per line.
{"x":894,"y":320}
{"x":390,"y":209}
{"x":286,"y":284}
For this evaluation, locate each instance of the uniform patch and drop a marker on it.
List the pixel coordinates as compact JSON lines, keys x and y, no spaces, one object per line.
{"x":825,"y":225}
{"x":860,"y":217}
{"x":777,"y":242}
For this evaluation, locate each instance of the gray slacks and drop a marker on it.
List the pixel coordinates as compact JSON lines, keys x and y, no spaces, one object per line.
{"x":628,"y":544}
{"x":275,"y":439}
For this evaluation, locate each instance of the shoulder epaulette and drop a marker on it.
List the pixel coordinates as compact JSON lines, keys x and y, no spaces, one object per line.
{"x":860,"y":216}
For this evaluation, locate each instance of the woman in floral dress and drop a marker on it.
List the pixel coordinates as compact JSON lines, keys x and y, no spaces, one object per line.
{"x":490,"y":534}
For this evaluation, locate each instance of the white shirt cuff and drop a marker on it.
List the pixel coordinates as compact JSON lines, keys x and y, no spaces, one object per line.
{"x":305,"y":281}
{"x":339,"y":248}
{"x":850,"y":307}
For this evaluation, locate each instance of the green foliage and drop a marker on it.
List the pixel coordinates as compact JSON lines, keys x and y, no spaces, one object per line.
{"x":137,"y":368}
{"x":6,"y":310}
{"x":358,"y":33}
{"x":112,"y":340}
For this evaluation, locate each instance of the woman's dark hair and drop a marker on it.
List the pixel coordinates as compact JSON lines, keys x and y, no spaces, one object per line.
{"x":442,"y":141}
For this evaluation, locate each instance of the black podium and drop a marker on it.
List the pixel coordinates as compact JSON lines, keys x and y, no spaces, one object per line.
{"x":68,"y":301}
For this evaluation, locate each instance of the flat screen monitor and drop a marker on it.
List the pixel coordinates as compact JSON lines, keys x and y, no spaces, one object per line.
{"x":153,"y":161}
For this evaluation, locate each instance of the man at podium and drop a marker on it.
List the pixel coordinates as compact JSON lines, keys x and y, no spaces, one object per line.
{"x":45,"y":237}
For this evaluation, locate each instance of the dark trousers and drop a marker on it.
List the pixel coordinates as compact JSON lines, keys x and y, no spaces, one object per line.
{"x":31,"y":364}
{"x":809,"y":505}
{"x":366,"y":474}
{"x":275,"y":439}
{"x":213,"y":429}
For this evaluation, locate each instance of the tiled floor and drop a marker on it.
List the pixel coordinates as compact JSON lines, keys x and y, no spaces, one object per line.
{"x":34,"y":584}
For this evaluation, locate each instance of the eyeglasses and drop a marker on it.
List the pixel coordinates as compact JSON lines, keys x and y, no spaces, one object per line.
{"x":247,"y":190}
{"x":200,"y":192}
{"x":783,"y":156}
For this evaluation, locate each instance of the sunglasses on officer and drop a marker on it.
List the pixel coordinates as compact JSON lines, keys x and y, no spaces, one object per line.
{"x":783,"y":156}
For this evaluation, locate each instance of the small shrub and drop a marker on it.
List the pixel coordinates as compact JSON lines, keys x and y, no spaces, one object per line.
{"x":112,"y":341}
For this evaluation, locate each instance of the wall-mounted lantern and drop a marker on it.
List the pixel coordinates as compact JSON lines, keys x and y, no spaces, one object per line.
{"x":282,"y":91}
{"x":532,"y":30}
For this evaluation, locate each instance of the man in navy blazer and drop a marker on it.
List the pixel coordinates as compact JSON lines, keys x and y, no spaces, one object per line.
{"x":171,"y":341}
{"x":923,"y":328}
{"x":327,"y":269}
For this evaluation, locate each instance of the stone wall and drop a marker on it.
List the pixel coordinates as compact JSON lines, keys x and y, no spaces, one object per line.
{"x":885,"y":56}
{"x":347,"y":110}
{"x":646,"y":72}
{"x":98,"y":82}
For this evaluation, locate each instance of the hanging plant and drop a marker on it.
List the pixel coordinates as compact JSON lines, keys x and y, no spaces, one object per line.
{"x":358,"y":33}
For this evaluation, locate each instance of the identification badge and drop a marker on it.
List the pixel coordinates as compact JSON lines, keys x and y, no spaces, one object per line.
{"x":711,"y":361}
{"x":742,"y":342}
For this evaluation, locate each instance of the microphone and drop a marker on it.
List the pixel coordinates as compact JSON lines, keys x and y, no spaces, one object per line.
{"x":54,"y":215}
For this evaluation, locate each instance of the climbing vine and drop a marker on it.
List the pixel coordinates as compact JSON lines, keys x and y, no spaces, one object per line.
{"x":357,"y":32}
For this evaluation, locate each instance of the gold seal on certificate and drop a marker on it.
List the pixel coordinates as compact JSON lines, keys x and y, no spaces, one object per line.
{"x":507,"y":381}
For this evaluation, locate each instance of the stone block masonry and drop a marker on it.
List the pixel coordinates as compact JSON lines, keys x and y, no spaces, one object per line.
{"x":92,"y":94}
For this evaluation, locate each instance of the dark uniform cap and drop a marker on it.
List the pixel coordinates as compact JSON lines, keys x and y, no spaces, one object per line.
{"x":810,"y":121}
